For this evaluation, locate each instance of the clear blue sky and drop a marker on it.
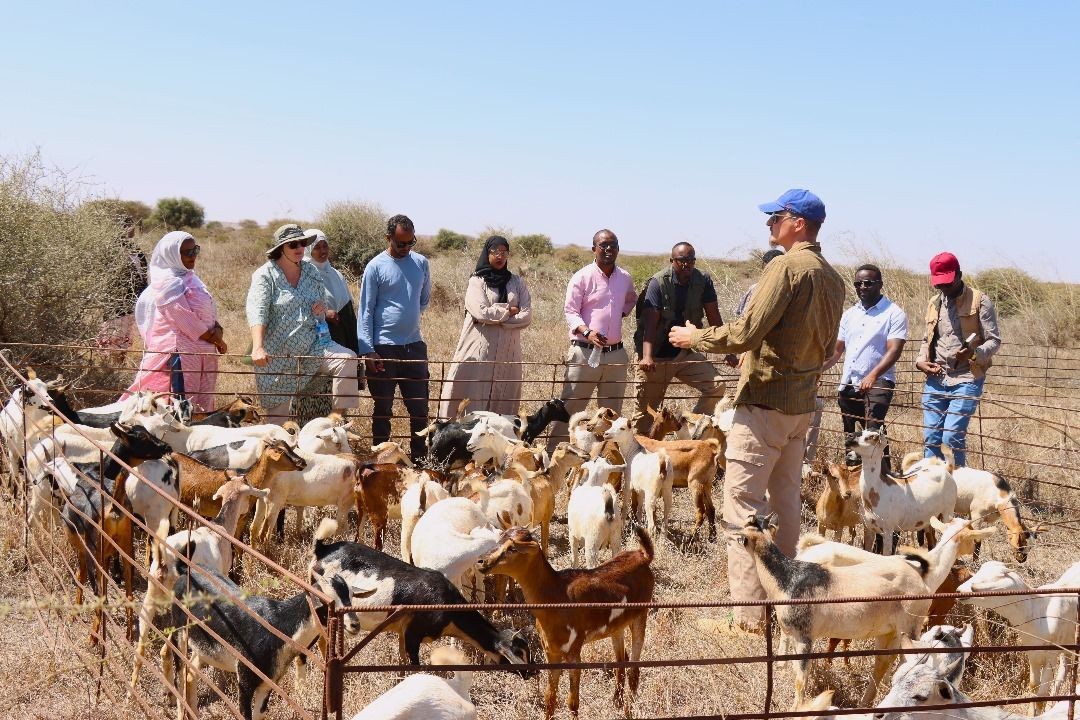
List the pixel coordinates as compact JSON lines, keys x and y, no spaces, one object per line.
{"x":923,"y":126}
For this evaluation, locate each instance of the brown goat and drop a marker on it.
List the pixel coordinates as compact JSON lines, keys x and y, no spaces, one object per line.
{"x":838,"y":507}
{"x":379,"y":484}
{"x":694,"y":465}
{"x":626,"y":578}
{"x":199,"y":483}
{"x":656,"y":424}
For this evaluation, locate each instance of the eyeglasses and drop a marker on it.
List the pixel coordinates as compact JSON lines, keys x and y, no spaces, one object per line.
{"x":865,"y":283}
{"x":294,"y":244}
{"x":499,"y":253}
{"x":778,"y":216}
{"x":193,"y":252}
{"x":402,"y":245}
{"x":684,"y":261}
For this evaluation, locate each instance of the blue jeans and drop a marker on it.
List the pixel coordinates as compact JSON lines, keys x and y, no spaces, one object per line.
{"x":946,"y":414}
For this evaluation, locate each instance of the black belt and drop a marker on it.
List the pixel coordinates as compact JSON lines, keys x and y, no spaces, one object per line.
{"x":603,"y":348}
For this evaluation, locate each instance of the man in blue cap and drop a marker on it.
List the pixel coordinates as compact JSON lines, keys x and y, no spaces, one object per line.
{"x":787,"y":332}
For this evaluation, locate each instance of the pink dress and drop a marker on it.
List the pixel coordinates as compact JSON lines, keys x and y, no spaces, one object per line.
{"x":176,"y":327}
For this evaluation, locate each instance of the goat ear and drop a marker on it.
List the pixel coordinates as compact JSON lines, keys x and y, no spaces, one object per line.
{"x":504,"y":520}
{"x":968,"y":636}
{"x":935,"y":522}
{"x":461,"y":409}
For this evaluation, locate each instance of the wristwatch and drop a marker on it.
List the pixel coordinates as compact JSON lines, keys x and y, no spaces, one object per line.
{"x":586,"y":334}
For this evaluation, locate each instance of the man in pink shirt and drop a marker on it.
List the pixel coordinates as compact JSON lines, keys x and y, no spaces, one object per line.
{"x":598,"y":297}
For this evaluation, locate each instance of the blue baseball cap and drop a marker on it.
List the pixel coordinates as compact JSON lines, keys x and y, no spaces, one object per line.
{"x":798,"y":202}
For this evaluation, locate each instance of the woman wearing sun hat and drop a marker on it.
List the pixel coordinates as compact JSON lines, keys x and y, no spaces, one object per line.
{"x":177,"y":319}
{"x":288,"y":310}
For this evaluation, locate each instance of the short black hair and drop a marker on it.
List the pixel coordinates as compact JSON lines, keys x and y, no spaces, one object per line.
{"x":680,"y":244}
{"x":397,"y":221}
{"x":276,"y":252}
{"x":604,"y":231}
{"x":769,"y":256}
{"x":872,"y":267}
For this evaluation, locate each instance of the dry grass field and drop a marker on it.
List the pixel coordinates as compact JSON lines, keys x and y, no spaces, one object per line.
{"x":47,"y":670}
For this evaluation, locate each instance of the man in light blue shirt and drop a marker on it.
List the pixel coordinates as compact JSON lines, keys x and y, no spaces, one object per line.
{"x":395,"y":289}
{"x":872,"y":335}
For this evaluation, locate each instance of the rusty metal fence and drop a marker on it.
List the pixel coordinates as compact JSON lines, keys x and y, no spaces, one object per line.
{"x":1023,"y":430}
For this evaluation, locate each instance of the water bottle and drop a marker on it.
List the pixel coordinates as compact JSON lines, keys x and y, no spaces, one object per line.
{"x":322,"y":332}
{"x":594,"y":356}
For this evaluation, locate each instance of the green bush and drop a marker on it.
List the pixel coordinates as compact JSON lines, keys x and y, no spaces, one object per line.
{"x":449,"y":241}
{"x":61,"y":256}
{"x":180,"y":212}
{"x":356,"y":231}
{"x":534,"y":245}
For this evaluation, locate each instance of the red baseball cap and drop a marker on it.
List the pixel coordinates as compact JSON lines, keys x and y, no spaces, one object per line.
{"x":943,"y":268}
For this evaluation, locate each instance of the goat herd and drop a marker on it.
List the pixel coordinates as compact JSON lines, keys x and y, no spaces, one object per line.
{"x":476,"y":521}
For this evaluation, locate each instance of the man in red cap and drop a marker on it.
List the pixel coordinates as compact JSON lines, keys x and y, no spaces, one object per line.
{"x":960,"y":340}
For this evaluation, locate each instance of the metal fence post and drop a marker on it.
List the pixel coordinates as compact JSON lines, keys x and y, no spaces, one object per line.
{"x":769,"y":654}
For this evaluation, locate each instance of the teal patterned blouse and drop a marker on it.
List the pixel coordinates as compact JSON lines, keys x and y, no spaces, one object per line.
{"x":286,"y":314}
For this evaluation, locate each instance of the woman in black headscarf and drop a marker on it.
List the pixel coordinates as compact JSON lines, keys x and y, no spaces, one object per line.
{"x":486,"y":367}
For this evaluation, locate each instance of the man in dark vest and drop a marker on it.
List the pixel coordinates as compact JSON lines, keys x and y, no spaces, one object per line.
{"x":678,"y":293}
{"x":960,"y":340}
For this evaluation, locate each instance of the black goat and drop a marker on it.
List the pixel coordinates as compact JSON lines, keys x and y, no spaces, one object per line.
{"x":399,"y":583}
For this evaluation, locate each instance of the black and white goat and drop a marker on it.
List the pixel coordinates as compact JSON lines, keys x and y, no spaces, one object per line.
{"x":398,"y":583}
{"x":223,"y":607}
{"x":447,"y":440}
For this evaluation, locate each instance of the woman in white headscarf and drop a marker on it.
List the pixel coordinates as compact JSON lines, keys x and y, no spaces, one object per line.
{"x":178,"y":322}
{"x":343,"y":326}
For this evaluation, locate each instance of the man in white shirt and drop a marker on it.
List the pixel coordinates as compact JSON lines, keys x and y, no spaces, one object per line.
{"x":872,"y":335}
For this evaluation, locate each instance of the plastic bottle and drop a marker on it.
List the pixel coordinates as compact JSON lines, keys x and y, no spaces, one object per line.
{"x":322,"y":332}
{"x":594,"y":356}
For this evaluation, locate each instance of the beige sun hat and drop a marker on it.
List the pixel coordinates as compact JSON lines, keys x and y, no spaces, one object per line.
{"x":288,"y":233}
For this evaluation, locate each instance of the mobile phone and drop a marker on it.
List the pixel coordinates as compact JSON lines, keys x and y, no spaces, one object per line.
{"x":970,"y":339}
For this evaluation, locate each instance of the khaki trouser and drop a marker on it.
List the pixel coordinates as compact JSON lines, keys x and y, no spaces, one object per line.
{"x":338,"y":362}
{"x":764,"y":455}
{"x":608,"y":380}
{"x":690,"y":367}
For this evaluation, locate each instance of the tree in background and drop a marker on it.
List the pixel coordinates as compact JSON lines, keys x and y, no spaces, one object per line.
{"x":448,"y":240}
{"x":182,"y":212}
{"x":122,"y":210}
{"x":356,"y":231}
{"x":534,"y":245}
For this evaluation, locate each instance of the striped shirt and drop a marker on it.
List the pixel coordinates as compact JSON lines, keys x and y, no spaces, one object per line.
{"x":787,"y":331}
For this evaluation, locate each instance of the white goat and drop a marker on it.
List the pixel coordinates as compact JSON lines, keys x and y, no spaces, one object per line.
{"x":651,"y":474}
{"x":892,"y":504}
{"x":951,"y":664}
{"x":427,"y":697}
{"x":327,"y":480}
{"x":451,"y":536}
{"x":326,"y":435}
{"x":417,"y":498}
{"x":1049,"y":619}
{"x":594,"y":514}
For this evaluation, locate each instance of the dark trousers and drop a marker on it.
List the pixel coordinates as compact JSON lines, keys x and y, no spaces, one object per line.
{"x":412,"y":378}
{"x":176,"y":376}
{"x":867,"y":410}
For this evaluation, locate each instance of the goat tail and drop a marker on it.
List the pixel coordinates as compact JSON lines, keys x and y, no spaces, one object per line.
{"x":327,"y":529}
{"x":910,"y":459}
{"x":609,"y":504}
{"x":647,"y":550}
{"x":810,"y":540}
{"x":157,"y":543}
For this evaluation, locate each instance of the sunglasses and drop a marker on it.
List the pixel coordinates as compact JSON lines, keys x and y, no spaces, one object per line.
{"x":865,"y":283}
{"x":779,"y":217}
{"x":294,"y":244}
{"x":499,"y":253}
{"x":402,"y":245}
{"x":684,"y":261}
{"x":193,"y":252}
